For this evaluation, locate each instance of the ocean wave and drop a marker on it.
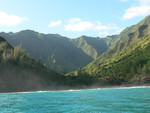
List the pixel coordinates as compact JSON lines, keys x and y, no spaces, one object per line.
{"x":70,"y":90}
{"x":132,"y":87}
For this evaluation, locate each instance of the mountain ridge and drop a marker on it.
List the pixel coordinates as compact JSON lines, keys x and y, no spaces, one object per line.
{"x":119,"y":59}
{"x":55,"y":51}
{"x":115,"y":63}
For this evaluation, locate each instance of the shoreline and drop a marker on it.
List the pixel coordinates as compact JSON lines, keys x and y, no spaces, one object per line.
{"x":80,"y":89}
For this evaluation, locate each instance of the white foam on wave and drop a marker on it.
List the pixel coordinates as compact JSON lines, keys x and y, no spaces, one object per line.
{"x":130,"y":87}
{"x":24,"y":92}
{"x":69,"y":90}
{"x":42,"y":91}
{"x":82,"y":89}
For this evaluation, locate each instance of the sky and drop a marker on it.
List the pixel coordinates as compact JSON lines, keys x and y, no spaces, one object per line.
{"x":72,"y":18}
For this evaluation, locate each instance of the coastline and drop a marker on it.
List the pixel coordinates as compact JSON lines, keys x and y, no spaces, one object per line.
{"x":80,"y":89}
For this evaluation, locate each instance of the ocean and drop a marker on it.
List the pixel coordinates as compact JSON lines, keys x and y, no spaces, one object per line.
{"x":109,"y":100}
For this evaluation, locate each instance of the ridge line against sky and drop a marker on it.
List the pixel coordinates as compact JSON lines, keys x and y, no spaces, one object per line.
{"x":72,"y":18}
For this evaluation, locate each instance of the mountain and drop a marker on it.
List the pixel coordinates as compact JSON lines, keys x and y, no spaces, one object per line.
{"x":57,"y":52}
{"x":93,"y":47}
{"x":18,"y":72}
{"x":118,"y":59}
{"x":111,"y":40}
{"x":128,"y":60}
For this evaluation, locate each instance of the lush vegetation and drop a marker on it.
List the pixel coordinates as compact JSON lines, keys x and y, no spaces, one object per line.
{"x":131,"y":65}
{"x":93,"y":47}
{"x":57,"y":52}
{"x":128,"y":61}
{"x":18,"y":72}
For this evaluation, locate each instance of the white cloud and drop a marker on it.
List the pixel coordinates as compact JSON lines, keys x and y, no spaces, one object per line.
{"x":123,"y":0}
{"x":10,"y":20}
{"x":99,"y":26}
{"x":144,"y":2}
{"x":55,"y":23}
{"x":80,"y":25}
{"x":73,"y":20}
{"x":77,"y":24}
{"x":142,"y":9}
{"x":103,"y":33}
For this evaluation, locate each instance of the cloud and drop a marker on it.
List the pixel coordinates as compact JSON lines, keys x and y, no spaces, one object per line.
{"x":142,"y":9}
{"x":85,"y":26}
{"x":144,"y":2}
{"x":55,"y":23}
{"x":99,"y":26}
{"x":103,"y":33}
{"x":123,"y":0}
{"x":10,"y":20}
{"x":77,"y":24}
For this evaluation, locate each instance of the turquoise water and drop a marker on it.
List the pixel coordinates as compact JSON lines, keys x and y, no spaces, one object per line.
{"x":134,"y":100}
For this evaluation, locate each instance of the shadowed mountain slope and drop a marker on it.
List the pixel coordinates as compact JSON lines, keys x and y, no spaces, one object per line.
{"x":128,"y":61}
{"x":57,"y":52}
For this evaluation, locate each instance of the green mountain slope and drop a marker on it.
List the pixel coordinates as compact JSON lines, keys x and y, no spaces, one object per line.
{"x":128,"y":60}
{"x":18,"y":72}
{"x":57,"y":52}
{"x":111,"y":40}
{"x":136,"y":31}
{"x":93,"y":47}
{"x":131,"y":64}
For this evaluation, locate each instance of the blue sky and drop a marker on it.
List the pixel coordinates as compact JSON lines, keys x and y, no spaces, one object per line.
{"x":72,"y":18}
